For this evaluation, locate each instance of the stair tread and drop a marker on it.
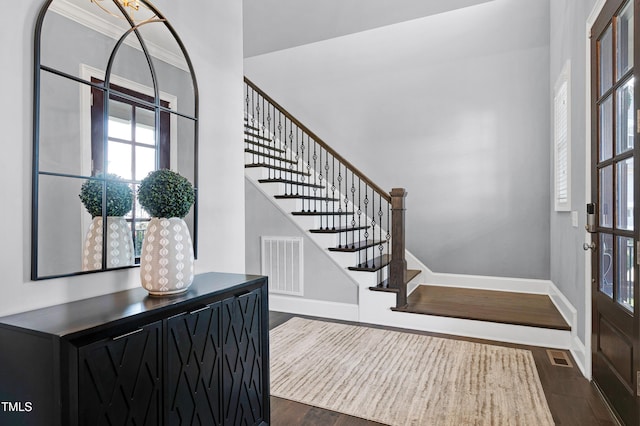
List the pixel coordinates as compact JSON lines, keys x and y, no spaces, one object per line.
{"x":384,"y":285}
{"x":282,"y":169}
{"x":372,"y":265}
{"x":338,"y":229}
{"x":290,"y":182}
{"x":304,"y":197}
{"x":322,"y":213}
{"x":261,"y":145}
{"x":530,"y":310}
{"x":274,"y":157}
{"x":253,"y":135}
{"x":250,"y":127}
{"x":354,"y":247}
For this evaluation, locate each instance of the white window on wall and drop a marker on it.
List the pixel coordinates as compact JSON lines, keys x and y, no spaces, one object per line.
{"x":562,"y":140}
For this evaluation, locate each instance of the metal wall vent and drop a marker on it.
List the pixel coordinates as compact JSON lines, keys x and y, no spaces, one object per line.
{"x":282,"y":262}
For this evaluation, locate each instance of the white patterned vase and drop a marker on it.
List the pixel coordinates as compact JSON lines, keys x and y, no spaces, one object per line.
{"x":167,"y":261}
{"x":119,"y":244}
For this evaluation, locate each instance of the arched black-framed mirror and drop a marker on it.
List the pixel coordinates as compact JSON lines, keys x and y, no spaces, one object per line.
{"x":115,"y":97}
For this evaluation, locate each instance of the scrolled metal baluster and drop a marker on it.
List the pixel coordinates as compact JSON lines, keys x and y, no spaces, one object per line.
{"x":253,"y":120}
{"x":366,"y":216}
{"x":311,"y":172}
{"x":271,"y":143}
{"x":359,"y":220}
{"x":326,"y":199}
{"x":315,"y":176}
{"x":340,"y":205}
{"x":380,"y":219}
{"x":300,"y":164}
{"x":353,"y":202}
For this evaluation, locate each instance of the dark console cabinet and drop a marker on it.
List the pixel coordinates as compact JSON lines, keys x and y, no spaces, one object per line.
{"x":200,"y":358}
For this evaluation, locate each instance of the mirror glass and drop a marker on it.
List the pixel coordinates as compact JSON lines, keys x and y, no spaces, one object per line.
{"x":115,"y":99}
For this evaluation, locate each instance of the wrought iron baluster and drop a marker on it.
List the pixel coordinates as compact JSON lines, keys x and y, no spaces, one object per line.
{"x":320,"y":182}
{"x":326,"y":199}
{"x":340,"y":205}
{"x":359,"y":219}
{"x":388,"y":236}
{"x":366,"y":217}
{"x":270,"y":143}
{"x":253,"y":121}
{"x":380,"y":218}
{"x":315,"y":176}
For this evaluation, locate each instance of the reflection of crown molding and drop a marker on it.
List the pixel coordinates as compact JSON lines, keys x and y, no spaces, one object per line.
{"x":96,"y":23}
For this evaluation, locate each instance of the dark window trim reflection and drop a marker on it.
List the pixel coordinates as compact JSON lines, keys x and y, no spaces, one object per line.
{"x":153,"y":103}
{"x":99,"y":134}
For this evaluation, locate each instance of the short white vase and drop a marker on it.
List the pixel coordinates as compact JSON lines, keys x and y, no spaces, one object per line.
{"x":119,"y":244}
{"x":167,"y":260}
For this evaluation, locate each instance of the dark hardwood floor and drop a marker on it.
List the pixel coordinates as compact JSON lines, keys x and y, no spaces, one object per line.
{"x":572,"y":399}
{"x":534,"y":310}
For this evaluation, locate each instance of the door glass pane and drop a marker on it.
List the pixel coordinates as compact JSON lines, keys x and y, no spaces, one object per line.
{"x":624,"y":117}
{"x":624,"y":40}
{"x":605,"y":59}
{"x":624,"y":290}
{"x":606,"y":196}
{"x":119,"y":159}
{"x":624,"y":194}
{"x":606,"y":128}
{"x":606,"y":264}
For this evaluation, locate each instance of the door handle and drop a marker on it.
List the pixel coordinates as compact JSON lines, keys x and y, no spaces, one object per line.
{"x":587,"y":246}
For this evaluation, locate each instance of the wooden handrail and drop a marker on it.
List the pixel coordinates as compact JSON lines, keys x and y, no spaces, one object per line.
{"x":384,"y":194}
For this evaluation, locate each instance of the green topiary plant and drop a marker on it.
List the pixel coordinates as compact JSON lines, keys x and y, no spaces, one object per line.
{"x":119,"y":196}
{"x":164,"y":193}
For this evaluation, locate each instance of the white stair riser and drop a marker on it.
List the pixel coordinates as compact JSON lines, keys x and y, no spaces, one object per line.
{"x":370,"y":279}
{"x":337,"y":239}
{"x":362,"y":255}
{"x":265,"y":173}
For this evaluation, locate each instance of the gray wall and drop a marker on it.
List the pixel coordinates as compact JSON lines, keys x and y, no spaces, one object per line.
{"x":212,"y":32}
{"x":568,"y":41}
{"x":453,"y":107}
{"x":323,"y":279}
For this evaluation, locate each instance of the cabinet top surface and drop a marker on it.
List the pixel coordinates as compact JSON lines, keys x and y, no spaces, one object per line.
{"x":68,"y":318}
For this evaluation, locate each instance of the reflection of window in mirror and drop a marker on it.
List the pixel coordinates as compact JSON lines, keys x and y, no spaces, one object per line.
{"x":131,"y":144}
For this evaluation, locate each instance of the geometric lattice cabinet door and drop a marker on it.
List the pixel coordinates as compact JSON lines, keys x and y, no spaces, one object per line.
{"x":242,"y":365}
{"x":193,"y":368}
{"x":120,"y":379}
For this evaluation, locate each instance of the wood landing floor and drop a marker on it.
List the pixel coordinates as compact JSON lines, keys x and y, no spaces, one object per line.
{"x":572,"y":399}
{"x":533,"y":310}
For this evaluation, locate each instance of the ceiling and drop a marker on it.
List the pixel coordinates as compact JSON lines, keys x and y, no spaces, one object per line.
{"x":271,"y":25}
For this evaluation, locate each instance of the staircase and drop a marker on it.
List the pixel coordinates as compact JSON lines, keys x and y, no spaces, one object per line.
{"x":362,"y":228}
{"x":360,"y":225}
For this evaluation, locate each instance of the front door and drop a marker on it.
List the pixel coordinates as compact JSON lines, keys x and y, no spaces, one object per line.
{"x":616,"y":329}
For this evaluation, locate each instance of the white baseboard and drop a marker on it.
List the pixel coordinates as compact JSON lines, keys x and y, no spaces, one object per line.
{"x":563,"y":305}
{"x":480,"y":282}
{"x":312,"y":307}
{"x":581,"y":356}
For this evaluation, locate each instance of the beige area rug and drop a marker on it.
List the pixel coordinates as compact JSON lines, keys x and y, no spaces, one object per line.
{"x":403,"y":378}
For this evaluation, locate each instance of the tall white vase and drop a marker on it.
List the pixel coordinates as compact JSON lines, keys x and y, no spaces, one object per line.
{"x":167,"y":260}
{"x":119,"y":244}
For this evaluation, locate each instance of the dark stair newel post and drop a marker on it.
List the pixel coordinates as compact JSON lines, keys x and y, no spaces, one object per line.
{"x":398,"y":265}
